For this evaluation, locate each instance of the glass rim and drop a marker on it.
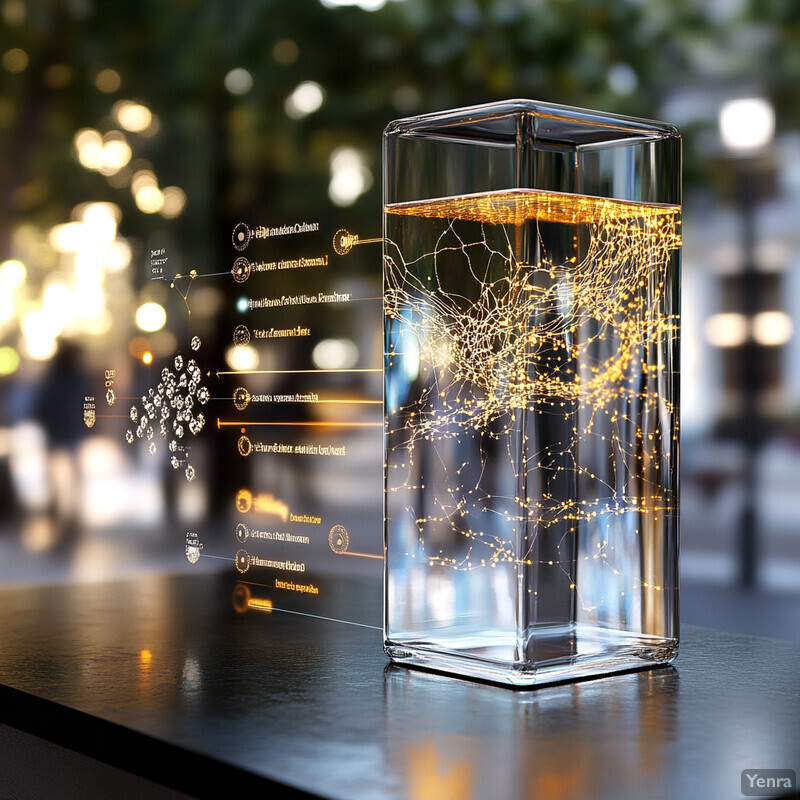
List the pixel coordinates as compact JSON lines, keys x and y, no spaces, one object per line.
{"x":648,"y":128}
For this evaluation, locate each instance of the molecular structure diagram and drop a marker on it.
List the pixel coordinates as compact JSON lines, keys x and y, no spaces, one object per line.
{"x":173,"y":406}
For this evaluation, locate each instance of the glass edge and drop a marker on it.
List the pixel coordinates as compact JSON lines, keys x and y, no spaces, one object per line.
{"x":475,"y":113}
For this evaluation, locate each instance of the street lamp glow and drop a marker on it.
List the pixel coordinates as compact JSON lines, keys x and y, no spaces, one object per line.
{"x":772,"y":328}
{"x":747,"y":124}
{"x":729,"y":329}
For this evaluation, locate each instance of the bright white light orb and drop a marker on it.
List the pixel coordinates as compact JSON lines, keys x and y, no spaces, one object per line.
{"x":307,"y":98}
{"x":747,"y":124}
{"x":772,"y":328}
{"x":726,"y":330}
{"x":150,"y":317}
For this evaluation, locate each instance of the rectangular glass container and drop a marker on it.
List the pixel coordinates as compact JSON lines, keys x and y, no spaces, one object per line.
{"x":531,"y":297}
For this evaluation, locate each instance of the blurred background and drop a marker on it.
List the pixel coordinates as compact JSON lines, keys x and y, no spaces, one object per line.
{"x":128,"y":129}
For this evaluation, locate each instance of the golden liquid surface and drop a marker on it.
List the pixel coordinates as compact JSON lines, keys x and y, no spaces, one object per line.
{"x":517,"y":206}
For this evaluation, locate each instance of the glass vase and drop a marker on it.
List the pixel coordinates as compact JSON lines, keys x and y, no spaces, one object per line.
{"x":531,"y":297}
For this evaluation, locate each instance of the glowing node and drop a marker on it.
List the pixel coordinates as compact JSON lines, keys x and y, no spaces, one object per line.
{"x":196,"y":343}
{"x":242,"y":532}
{"x":245,"y":446}
{"x":111,"y":397}
{"x":179,"y":362}
{"x":190,"y":473}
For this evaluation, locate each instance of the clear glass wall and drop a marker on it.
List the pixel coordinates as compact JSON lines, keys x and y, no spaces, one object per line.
{"x":531,"y":327}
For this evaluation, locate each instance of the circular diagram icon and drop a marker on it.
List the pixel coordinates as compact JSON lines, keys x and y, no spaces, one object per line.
{"x":338,"y":539}
{"x":241,"y":270}
{"x":241,"y":398}
{"x":242,"y":532}
{"x":241,"y":236}
{"x":244,"y":500}
{"x":242,"y":561}
{"x":343,"y":241}
{"x":241,"y":598}
{"x":245,"y":446}
{"x":89,"y":417}
{"x":241,"y":335}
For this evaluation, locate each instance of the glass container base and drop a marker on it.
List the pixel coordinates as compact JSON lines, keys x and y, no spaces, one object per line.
{"x":551,"y":655}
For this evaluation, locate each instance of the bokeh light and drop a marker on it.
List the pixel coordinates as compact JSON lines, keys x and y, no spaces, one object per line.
{"x":350,"y":176}
{"x":307,"y":98}
{"x":335,"y":354}
{"x":238,"y":81}
{"x":726,"y":330}
{"x":285,"y":52}
{"x":108,"y":81}
{"x":242,"y":357}
{"x":151,"y":316}
{"x":747,"y":124}
{"x":15,"y":60}
{"x":772,"y":328}
{"x":9,"y":360}
{"x":174,"y":202}
{"x":133,"y":117}
{"x":149,"y":199}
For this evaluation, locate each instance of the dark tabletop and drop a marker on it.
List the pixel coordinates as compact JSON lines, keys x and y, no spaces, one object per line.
{"x":169,"y":671}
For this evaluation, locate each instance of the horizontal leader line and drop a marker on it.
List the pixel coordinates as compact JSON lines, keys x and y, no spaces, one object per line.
{"x":290,"y":371}
{"x":221,"y":423}
{"x":360,"y":555}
